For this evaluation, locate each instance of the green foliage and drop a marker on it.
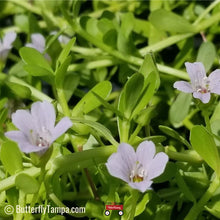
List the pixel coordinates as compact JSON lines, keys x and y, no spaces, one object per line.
{"x":35,"y":61}
{"x":179,"y":109}
{"x":110,"y":67}
{"x":169,"y":21}
{"x":207,"y":55}
{"x":26,"y":183}
{"x":203,"y":142}
{"x":11,"y":157}
{"x":89,"y":101}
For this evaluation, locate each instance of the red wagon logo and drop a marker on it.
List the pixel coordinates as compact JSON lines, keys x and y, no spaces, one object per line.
{"x":114,"y":206}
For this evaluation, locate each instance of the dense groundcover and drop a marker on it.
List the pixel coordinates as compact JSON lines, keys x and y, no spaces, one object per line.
{"x":109,"y":109}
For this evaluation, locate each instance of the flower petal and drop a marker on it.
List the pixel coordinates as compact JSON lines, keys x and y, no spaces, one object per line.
{"x":128,"y":155}
{"x":8,"y":39}
{"x":145,"y":153}
{"x":214,"y":79}
{"x":142,"y":186}
{"x":23,"y":142}
{"x":63,"y":39}
{"x":3,"y":54}
{"x":121,"y":163}
{"x":117,"y":168}
{"x":23,"y":121}
{"x":196,"y":72}
{"x":204,"y":97}
{"x":157,"y":165}
{"x":61,"y":128}
{"x":183,"y":86}
{"x":38,"y":41}
{"x":44,"y":116}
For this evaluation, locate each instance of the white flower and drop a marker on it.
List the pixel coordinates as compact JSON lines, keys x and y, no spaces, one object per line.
{"x":6,"y":45}
{"x":37,"y":130}
{"x":137,"y":168}
{"x":63,"y":39}
{"x":37,"y":42}
{"x":201,"y":86}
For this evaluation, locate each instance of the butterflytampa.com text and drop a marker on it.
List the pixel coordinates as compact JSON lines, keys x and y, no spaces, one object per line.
{"x":49,"y":209}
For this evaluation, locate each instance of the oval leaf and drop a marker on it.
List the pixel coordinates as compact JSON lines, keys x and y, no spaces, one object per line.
{"x":89,"y":101}
{"x":169,"y":21}
{"x":206,"y":54}
{"x":11,"y":157}
{"x":32,"y":56}
{"x":26,"y":183}
{"x":181,"y":106}
{"x":203,"y":143}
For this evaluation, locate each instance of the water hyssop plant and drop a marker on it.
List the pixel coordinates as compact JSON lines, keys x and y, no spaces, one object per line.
{"x":109,"y":109}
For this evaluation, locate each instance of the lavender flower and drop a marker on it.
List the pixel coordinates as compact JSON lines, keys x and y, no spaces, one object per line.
{"x":137,"y":168}
{"x":201,"y":86}
{"x":38,"y":42}
{"x":37,"y":130}
{"x":6,"y":45}
{"x":63,"y":39}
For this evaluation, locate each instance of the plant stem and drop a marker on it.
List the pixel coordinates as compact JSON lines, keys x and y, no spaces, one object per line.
{"x":36,"y":94}
{"x":135,"y":133}
{"x":206,"y":11}
{"x":22,"y":203}
{"x":130,"y":207}
{"x":124,"y":134}
{"x":207,"y":121}
{"x":66,"y":111}
{"x":188,"y":156}
{"x":10,"y":181}
{"x":198,"y":207}
{"x":63,"y":102}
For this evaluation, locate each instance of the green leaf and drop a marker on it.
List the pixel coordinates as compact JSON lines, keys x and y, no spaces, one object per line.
{"x":99,"y":128}
{"x":92,"y":28}
{"x":3,"y":115}
{"x":11,"y":157}
{"x":89,"y":101}
{"x":127,"y":23}
{"x":130,"y":205}
{"x":132,"y":91}
{"x":215,"y":126}
{"x":146,"y":115}
{"x":172,"y":133}
{"x":149,"y":66}
{"x":206,"y":54}
{"x":216,"y":113}
{"x":26,"y":183}
{"x":169,"y":21}
{"x":142,"y":27}
{"x":203,"y":143}
{"x":105,"y":25}
{"x":65,"y":52}
{"x":61,"y":71}
{"x":71,"y":81}
{"x":168,"y":173}
{"x":146,"y":94}
{"x":183,"y":187}
{"x":125,"y":44}
{"x":108,"y":106}
{"x":19,"y":90}
{"x":33,"y":57}
{"x":22,"y":22}
{"x":179,"y":109}
{"x":213,"y":207}
{"x":141,"y":206}
{"x":36,"y":70}
{"x":110,"y":38}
